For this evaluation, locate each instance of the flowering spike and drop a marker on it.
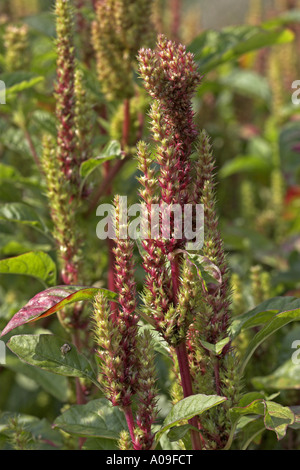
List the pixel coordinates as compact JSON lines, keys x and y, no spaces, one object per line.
{"x":64,"y":90}
{"x":212,"y":322}
{"x":16,"y":45}
{"x":260,"y":284}
{"x":124,"y":442}
{"x":170,"y":76}
{"x":82,"y":119}
{"x":146,"y":394}
{"x":120,"y":26}
{"x":63,"y":214}
{"x":108,"y":339}
{"x":238,"y":302}
{"x":116,"y":330}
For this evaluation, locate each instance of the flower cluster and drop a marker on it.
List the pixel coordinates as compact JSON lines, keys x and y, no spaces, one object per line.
{"x":16,"y":45}
{"x":120,"y":27}
{"x":62,"y":208}
{"x":64,"y":90}
{"x":170,"y":76}
{"x":83,"y":117}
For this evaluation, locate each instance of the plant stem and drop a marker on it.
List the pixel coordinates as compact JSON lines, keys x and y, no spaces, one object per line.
{"x":106,"y":184}
{"x":32,"y":149}
{"x":186,"y":381}
{"x":80,"y":398}
{"x":126,"y":123}
{"x":130,"y":422}
{"x":176,"y":10}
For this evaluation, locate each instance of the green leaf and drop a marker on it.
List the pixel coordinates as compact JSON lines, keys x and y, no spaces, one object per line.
{"x":111,"y":151}
{"x":179,"y":432}
{"x":91,"y":164}
{"x":188,"y":408}
{"x":285,"y":377}
{"x":263,"y":313}
{"x":277,"y":418}
{"x":159,"y":344}
{"x":8,"y":172}
{"x":16,"y":82}
{"x":21,"y":213}
{"x":245,"y":164}
{"x":52,"y":300}
{"x":44,"y":351}
{"x":25,"y":85}
{"x":246,"y":239}
{"x":217,"y":348}
{"x":280,"y":319}
{"x":98,"y":443}
{"x":213,"y":48}
{"x":247,"y":83}
{"x":98,"y":418}
{"x":286,"y":18}
{"x":207,"y":271}
{"x":43,"y":23}
{"x":252,"y":428}
{"x":14,"y":79}
{"x":296,"y":410}
{"x":55,"y":385}
{"x":45,"y":121}
{"x":36,"y":264}
{"x":14,"y":140}
{"x":256,"y":407}
{"x":112,"y":148}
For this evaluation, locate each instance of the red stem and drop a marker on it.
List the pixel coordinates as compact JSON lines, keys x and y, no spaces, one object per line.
{"x":186,"y":382}
{"x":176,"y":10}
{"x":126,"y":123}
{"x":130,"y":422}
{"x":106,"y":184}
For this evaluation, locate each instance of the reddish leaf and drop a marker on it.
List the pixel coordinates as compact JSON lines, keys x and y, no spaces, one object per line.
{"x":52,"y":300}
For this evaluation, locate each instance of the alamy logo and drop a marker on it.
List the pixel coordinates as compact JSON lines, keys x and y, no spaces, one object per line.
{"x":296,"y":354}
{"x":2,"y":92}
{"x":2,"y":353}
{"x":159,"y":221}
